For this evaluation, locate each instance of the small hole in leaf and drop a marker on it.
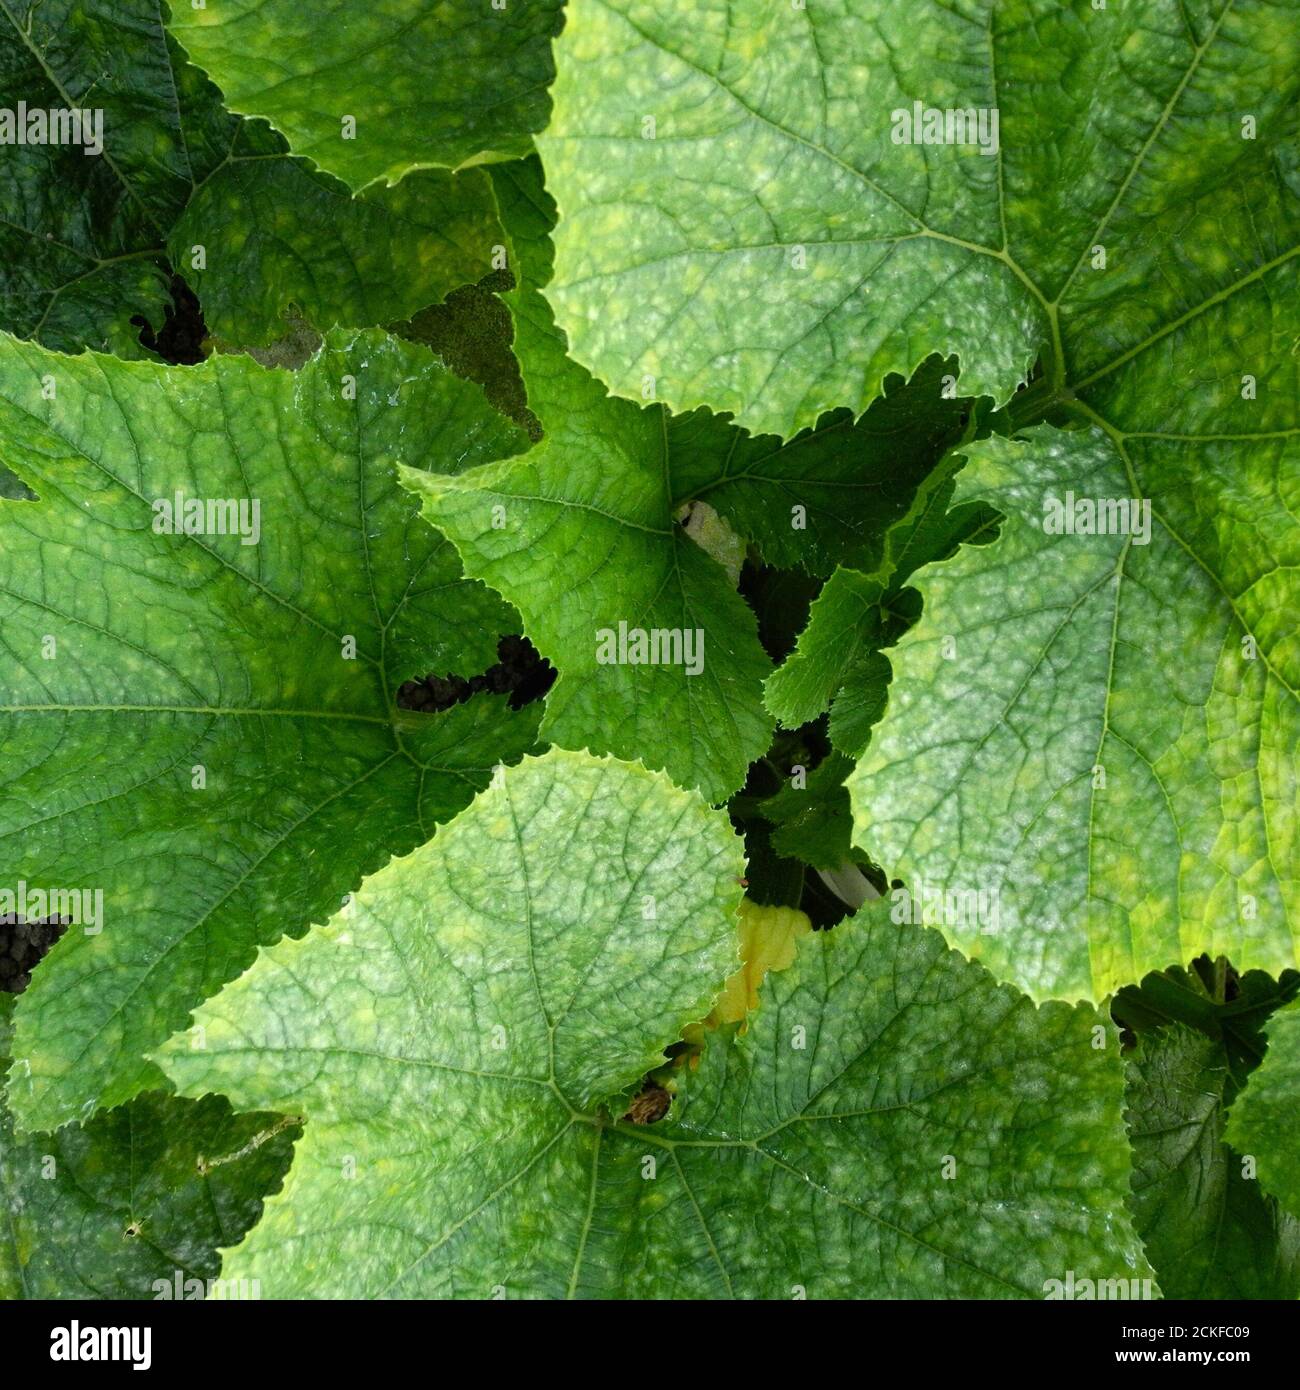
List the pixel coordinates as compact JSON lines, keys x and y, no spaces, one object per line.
{"x":180,"y":339}
{"x":520,"y":671}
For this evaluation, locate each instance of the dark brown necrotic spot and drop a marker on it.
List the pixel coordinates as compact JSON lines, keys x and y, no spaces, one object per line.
{"x":649,"y":1104}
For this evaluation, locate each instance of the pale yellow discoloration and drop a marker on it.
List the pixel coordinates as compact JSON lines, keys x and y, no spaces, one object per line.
{"x":768,"y":941}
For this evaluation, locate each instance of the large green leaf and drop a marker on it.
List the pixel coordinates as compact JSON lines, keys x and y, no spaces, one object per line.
{"x":425,"y":86}
{"x":279,"y":237}
{"x":582,"y":533}
{"x":82,"y":236}
{"x":764,"y":246}
{"x":1265,"y":1119}
{"x":1095,"y":726}
{"x":580,"y":536}
{"x":1209,"y":1232}
{"x":452,"y":1037}
{"x":1174,"y":349}
{"x":1141,"y":230}
{"x":1100,"y":729}
{"x":185,"y":726}
{"x":140,"y":1197}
